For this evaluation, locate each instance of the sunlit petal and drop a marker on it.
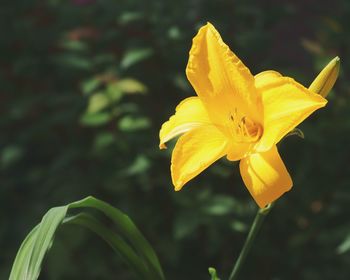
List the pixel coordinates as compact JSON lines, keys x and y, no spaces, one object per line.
{"x":194,"y":152}
{"x":265,"y":78}
{"x":190,"y":113}
{"x":220,"y":79}
{"x":265,"y":176}
{"x":237,"y":151}
{"x":286,"y":104}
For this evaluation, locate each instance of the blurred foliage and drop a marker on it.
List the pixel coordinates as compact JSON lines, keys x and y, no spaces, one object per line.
{"x":85,"y":86}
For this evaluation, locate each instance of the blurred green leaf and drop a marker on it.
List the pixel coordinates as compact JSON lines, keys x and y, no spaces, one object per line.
{"x":114,"y":92}
{"x":344,"y":246}
{"x":128,"y":17}
{"x":174,"y":33}
{"x":95,"y":119}
{"x":129,"y":85}
{"x":129,"y":123}
{"x":90,"y":85}
{"x":10,"y":154}
{"x":140,"y":165}
{"x":238,"y":226}
{"x":220,"y":205}
{"x":135,"y":56}
{"x":103,"y":140}
{"x":97,"y":102}
{"x":74,"y":45}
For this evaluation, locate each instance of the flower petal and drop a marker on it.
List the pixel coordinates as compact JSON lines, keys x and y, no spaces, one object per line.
{"x":265,"y":78}
{"x":265,"y":176}
{"x":286,"y":104}
{"x":237,"y":151}
{"x":195,"y":151}
{"x":220,"y":79}
{"x":190,"y":113}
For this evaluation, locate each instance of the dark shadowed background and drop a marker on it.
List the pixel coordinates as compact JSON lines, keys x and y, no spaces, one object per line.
{"x":84,"y":88}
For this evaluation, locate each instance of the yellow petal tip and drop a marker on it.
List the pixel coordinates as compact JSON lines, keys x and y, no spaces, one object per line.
{"x":265,"y":176}
{"x":270,"y":197}
{"x":178,"y":186}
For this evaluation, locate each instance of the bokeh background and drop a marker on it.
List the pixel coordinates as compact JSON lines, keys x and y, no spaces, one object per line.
{"x":84,"y":88}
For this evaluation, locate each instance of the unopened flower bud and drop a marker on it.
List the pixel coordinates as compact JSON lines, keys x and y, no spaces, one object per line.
{"x":327,"y":77}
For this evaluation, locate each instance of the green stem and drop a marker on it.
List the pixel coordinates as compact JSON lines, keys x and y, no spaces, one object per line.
{"x":259,"y":218}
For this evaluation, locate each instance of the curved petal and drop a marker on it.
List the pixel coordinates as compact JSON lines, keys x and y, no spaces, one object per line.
{"x":220,"y":79}
{"x":194,"y":152}
{"x":286,"y":104}
{"x":265,"y":176}
{"x":265,"y":78}
{"x":190,"y":113}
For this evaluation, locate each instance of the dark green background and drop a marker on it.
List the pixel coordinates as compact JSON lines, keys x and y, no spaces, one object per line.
{"x":76,"y":121}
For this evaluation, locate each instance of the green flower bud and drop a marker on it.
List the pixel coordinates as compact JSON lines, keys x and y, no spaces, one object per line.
{"x":327,"y":77}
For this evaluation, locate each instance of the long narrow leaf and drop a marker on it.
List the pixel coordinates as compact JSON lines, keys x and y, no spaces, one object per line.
{"x":114,"y":240}
{"x":29,"y":258}
{"x":21,"y":263}
{"x":129,"y":230}
{"x":139,"y":255}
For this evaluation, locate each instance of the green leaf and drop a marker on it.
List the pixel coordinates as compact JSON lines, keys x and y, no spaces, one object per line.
{"x":90,"y":85}
{"x":129,"y":123}
{"x":74,"y":45}
{"x":95,"y":119}
{"x":134,"y":56}
{"x":114,"y":92}
{"x":128,"y":17}
{"x":97,"y":102}
{"x":140,"y":165}
{"x":29,"y":258}
{"x":129,"y":243}
{"x":220,"y":205}
{"x":129,"y":85}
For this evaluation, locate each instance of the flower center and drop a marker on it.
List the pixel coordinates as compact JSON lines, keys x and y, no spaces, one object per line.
{"x":244,"y":129}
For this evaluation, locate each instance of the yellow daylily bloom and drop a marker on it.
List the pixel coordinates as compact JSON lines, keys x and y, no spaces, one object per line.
{"x":237,"y":115}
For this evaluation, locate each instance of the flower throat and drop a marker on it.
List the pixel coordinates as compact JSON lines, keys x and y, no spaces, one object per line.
{"x":243,"y":129}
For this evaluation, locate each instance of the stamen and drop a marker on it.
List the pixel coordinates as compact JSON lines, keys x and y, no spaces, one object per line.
{"x":243,"y":129}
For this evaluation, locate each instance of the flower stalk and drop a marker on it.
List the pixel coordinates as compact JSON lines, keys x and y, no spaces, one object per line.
{"x":258,"y":221}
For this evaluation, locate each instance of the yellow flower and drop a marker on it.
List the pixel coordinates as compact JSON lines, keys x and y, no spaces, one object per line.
{"x":237,"y":115}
